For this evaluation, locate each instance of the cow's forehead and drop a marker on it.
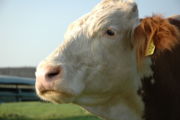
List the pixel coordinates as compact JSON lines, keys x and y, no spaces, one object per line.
{"x":105,"y":13}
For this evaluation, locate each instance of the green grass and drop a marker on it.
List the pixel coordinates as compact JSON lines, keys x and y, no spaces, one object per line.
{"x":43,"y":111}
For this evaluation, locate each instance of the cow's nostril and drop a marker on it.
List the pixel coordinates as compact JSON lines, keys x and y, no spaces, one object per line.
{"x":53,"y":72}
{"x":50,"y":75}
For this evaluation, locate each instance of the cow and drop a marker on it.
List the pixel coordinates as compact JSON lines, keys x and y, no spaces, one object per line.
{"x":116,"y":65}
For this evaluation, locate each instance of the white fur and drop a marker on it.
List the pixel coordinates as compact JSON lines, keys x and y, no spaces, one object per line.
{"x":100,"y":70}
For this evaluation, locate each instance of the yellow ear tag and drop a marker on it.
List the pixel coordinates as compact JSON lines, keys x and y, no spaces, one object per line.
{"x":150,"y":48}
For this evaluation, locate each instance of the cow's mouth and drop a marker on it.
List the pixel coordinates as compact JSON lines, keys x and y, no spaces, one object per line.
{"x":56,"y":96}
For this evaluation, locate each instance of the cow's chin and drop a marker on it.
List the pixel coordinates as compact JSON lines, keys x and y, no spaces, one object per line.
{"x":56,"y":96}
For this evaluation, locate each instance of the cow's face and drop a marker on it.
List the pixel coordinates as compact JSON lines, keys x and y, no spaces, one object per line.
{"x":96,"y":60}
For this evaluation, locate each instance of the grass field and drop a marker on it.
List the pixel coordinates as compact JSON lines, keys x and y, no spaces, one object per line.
{"x":43,"y":111}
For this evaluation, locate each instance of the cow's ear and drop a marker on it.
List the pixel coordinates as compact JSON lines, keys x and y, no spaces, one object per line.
{"x":140,"y":43}
{"x":154,"y":33}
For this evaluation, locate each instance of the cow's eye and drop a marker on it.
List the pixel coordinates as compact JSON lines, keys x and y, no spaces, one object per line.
{"x":110,"y":32}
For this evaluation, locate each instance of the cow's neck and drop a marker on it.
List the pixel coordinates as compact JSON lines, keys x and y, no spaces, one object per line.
{"x":161,"y":92}
{"x":118,"y":108}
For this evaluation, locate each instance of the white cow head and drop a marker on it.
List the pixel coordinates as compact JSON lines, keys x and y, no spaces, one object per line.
{"x":96,"y":63}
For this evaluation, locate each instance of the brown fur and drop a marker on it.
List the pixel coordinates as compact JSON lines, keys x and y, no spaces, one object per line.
{"x":164,"y":35}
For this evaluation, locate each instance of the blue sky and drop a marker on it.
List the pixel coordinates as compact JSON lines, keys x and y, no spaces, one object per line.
{"x":31,"y":29}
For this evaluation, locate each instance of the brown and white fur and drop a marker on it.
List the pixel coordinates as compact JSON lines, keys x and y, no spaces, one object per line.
{"x":101,"y":64}
{"x":161,"y":92}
